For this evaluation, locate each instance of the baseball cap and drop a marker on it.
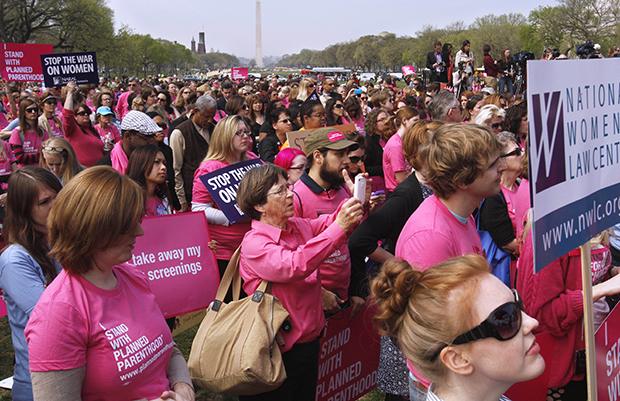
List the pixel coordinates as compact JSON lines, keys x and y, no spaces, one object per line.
{"x":138,"y":121}
{"x":104,"y":111}
{"x":329,"y":138}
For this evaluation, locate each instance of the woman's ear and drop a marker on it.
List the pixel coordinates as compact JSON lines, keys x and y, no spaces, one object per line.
{"x":454,"y":360}
{"x":260,"y":209}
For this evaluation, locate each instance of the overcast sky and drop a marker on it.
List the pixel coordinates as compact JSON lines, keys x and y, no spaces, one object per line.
{"x":291,"y":25}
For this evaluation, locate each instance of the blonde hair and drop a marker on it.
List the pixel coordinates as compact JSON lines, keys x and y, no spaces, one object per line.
{"x":221,"y":146}
{"x":69,"y":158}
{"x":90,"y":214}
{"x":303,"y":88}
{"x":456,"y":154}
{"x":426,"y":311}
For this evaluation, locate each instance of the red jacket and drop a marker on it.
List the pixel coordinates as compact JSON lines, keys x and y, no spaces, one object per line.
{"x":554,"y":297}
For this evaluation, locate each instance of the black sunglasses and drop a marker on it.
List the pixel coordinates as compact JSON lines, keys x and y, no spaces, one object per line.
{"x":357,"y":159}
{"x":82,"y":113}
{"x":516,"y":152}
{"x":503,"y":323}
{"x":32,"y":110}
{"x":338,"y":106}
{"x":497,"y":125}
{"x":288,"y":120}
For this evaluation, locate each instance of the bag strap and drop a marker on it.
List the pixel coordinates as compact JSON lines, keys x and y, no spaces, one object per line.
{"x":250,"y":314}
{"x":230,"y":275}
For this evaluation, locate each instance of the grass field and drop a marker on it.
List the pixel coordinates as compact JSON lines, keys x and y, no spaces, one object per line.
{"x":183,"y":340}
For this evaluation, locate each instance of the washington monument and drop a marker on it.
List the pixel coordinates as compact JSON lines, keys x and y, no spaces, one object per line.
{"x":259,"y":37}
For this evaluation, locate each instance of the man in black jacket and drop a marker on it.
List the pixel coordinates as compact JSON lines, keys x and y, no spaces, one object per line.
{"x":438,"y":61}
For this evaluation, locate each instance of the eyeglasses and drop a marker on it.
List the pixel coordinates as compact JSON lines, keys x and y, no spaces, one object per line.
{"x":282,"y":191}
{"x":53,"y":149}
{"x":516,"y":152}
{"x":32,"y":110}
{"x":243,"y":132}
{"x":330,"y":84}
{"x":357,"y":159}
{"x":51,"y":102}
{"x":503,"y":323}
{"x":338,"y":106}
{"x":300,"y":168}
{"x":287,"y":121}
{"x":147,"y":138}
{"x":364,"y":98}
{"x":82,"y":113}
{"x":459,"y":107}
{"x":496,"y":125}
{"x":310,"y":86}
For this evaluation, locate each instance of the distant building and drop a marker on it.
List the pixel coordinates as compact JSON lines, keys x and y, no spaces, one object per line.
{"x":193,"y":45}
{"x":201,"y":43}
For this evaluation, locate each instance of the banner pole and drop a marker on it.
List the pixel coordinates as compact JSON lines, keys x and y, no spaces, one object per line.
{"x":588,"y":323}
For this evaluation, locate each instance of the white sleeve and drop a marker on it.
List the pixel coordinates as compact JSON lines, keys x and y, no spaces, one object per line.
{"x":214,"y":216}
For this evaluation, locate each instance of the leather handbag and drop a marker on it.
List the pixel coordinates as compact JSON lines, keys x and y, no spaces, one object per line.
{"x":235,"y":349}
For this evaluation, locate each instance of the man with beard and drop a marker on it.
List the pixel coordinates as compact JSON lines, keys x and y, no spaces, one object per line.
{"x":321,"y":190}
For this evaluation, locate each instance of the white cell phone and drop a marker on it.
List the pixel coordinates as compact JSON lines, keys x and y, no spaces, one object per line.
{"x":359,"y":191}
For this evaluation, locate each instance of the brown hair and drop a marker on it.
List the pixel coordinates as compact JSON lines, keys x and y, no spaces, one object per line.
{"x":456,"y":154}
{"x":23,"y":122}
{"x":22,"y":197}
{"x":415,"y":137}
{"x":427,"y":310}
{"x":255,"y":186}
{"x":90,"y":214}
{"x":392,"y":124}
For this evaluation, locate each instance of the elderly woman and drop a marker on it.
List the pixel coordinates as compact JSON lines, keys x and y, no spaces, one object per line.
{"x":459,"y":326}
{"x":491,"y":116}
{"x":99,"y":303}
{"x":79,"y":130}
{"x":287,"y":252}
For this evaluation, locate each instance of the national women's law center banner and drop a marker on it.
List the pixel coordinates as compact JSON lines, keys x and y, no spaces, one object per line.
{"x":574,"y":150}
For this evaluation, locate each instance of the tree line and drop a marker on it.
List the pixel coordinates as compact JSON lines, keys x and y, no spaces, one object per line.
{"x":88,"y":25}
{"x":561,"y":27}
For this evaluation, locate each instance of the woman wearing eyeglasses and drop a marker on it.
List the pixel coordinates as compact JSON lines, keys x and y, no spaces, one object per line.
{"x":269,"y":147}
{"x":79,"y":130}
{"x":48,"y":119}
{"x":491,"y":116}
{"x":237,"y":105}
{"x":287,"y":251}
{"x":459,"y":326}
{"x":26,"y":139}
{"x":294,"y":161}
{"x":59,"y":157}
{"x":230,"y":144}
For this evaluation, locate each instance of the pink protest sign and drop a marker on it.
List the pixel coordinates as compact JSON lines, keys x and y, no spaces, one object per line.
{"x":175,"y":257}
{"x":3,"y":311}
{"x":607,"y":344}
{"x":22,"y":61}
{"x":408,"y":70}
{"x":349,"y":357}
{"x":239,"y":73}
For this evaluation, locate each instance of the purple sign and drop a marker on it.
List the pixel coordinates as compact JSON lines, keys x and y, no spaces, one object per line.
{"x":222,"y":184}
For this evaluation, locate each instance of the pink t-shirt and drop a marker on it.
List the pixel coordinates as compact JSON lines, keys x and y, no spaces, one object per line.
{"x":120,"y":335}
{"x":30,"y":145}
{"x":522,"y":205}
{"x":433,"y":235}
{"x":55,"y":126}
{"x":359,"y":124}
{"x":7,"y":160}
{"x":336,"y":268}
{"x":511,"y":203}
{"x":108,"y":134}
{"x":394,"y":161}
{"x":122,"y":108}
{"x":228,"y":238}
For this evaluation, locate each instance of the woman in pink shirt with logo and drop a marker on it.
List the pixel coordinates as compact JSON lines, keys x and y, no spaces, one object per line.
{"x":287,"y":251}
{"x":26,"y":139}
{"x":97,"y":332}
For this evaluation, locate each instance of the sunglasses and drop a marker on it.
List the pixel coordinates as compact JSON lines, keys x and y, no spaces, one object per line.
{"x":32,"y":110}
{"x":338,"y":106}
{"x":53,"y":149}
{"x":516,"y":152}
{"x":357,"y":159}
{"x":162,"y":99}
{"x":82,"y":113}
{"x":244,"y":107}
{"x":311,"y":86}
{"x":496,"y":125}
{"x":364,"y":98}
{"x":502,"y":324}
{"x":287,"y":121}
{"x":51,"y":102}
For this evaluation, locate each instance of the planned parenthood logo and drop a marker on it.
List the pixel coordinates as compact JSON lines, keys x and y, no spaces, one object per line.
{"x":548,"y":149}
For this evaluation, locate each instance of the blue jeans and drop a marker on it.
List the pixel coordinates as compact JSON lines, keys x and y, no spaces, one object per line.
{"x":505,"y":81}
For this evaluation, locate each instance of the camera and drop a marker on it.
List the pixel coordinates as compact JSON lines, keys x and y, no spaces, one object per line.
{"x":585,"y":50}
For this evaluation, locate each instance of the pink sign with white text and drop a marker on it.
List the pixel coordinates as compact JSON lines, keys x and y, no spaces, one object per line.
{"x":408,"y":70}
{"x":176,"y":259}
{"x":239,"y":73}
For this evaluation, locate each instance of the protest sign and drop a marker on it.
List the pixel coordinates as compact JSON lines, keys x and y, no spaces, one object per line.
{"x":189,"y":320}
{"x":3,"y":311}
{"x":574,"y":150}
{"x":59,"y":69}
{"x":346,"y":373}
{"x":408,"y":70}
{"x":22,"y":61}
{"x":239,"y":73}
{"x":181,"y":268}
{"x":296,"y":139}
{"x":222,"y":184}
{"x":607,"y":340}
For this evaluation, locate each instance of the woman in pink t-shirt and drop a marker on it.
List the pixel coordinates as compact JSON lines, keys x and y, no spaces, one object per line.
{"x":109,"y":339}
{"x":8,"y":164}
{"x":147,"y":167}
{"x":48,"y":119}
{"x":230,"y":144}
{"x":395,"y":167}
{"x":107,"y":131}
{"x":26,"y":139}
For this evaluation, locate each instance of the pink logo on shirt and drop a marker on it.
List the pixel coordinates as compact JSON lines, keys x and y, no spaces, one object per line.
{"x":335,"y":136}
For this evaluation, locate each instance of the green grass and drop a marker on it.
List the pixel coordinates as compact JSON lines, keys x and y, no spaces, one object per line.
{"x":183,"y":340}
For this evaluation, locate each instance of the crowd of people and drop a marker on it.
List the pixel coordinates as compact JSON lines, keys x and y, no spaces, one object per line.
{"x":80,"y":166}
